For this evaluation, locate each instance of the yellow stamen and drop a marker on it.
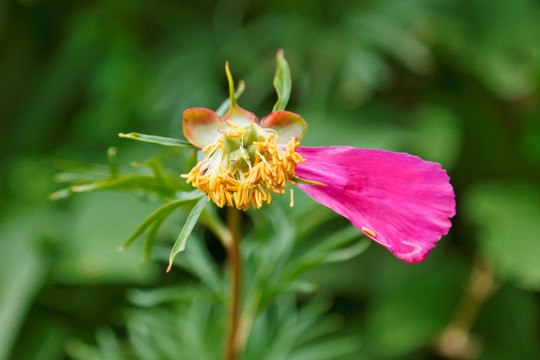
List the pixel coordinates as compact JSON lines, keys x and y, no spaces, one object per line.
{"x":231,"y":124}
{"x":369,"y":232}
{"x":292,"y":197}
{"x":269,"y":169}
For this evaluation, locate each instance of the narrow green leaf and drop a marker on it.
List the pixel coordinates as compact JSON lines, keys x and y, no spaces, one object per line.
{"x":73,"y":177}
{"x":109,"y":344}
{"x":349,"y":252}
{"x":180,"y":243}
{"x":325,"y":251}
{"x":154,"y":297}
{"x":282,"y":81}
{"x":157,"y":140}
{"x":60,"y":194}
{"x":132,"y":182}
{"x":68,"y":165}
{"x":157,"y":215}
{"x":150,"y":238}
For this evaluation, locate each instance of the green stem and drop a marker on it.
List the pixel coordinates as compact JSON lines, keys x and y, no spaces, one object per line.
{"x":234,"y":222}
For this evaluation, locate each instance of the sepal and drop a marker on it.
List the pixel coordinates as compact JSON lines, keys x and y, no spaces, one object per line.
{"x":201,"y":126}
{"x":287,"y":125}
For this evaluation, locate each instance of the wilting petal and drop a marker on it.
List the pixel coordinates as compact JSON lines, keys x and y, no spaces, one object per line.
{"x":240,"y":117}
{"x":201,"y":126}
{"x":287,"y":125}
{"x":398,"y":200}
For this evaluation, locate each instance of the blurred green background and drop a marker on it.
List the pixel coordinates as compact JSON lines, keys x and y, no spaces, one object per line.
{"x":455,"y":82}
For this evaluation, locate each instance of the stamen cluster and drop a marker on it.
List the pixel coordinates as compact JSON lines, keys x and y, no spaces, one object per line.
{"x":244,"y":166}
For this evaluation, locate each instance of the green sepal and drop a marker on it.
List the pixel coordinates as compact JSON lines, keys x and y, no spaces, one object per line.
{"x":282,"y":81}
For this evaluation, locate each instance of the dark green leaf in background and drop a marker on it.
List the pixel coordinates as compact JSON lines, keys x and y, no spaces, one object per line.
{"x":507,"y":217}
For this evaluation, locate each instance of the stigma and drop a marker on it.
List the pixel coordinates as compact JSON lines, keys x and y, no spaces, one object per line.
{"x":244,"y":166}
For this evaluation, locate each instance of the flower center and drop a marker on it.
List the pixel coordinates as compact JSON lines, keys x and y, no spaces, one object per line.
{"x":244,"y":166}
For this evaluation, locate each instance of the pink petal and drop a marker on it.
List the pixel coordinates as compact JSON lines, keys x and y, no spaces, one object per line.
{"x":201,"y":126}
{"x":287,"y":125}
{"x":399,"y":200}
{"x":240,"y":117}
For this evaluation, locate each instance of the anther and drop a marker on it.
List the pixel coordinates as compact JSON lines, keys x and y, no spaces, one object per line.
{"x":369,"y":232}
{"x":292,"y":197}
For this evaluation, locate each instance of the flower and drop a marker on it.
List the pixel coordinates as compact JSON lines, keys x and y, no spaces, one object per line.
{"x":399,"y":200}
{"x":244,"y":162}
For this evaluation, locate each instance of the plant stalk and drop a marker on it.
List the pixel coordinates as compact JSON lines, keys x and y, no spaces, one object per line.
{"x":455,"y":341}
{"x":234,"y":223}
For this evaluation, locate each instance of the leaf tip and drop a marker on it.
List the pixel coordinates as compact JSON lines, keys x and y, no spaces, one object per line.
{"x":169,"y":267}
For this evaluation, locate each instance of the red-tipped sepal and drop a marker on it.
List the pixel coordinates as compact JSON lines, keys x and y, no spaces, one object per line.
{"x":287,"y":125}
{"x":202,"y":126}
{"x":240,"y":117}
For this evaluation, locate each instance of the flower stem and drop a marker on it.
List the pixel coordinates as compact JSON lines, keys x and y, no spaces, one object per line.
{"x":455,"y":341}
{"x":234,"y":222}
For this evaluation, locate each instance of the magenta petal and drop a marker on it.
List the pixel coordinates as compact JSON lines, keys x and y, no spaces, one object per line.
{"x":240,"y":117}
{"x":287,"y":125}
{"x":201,"y":126}
{"x":399,"y":200}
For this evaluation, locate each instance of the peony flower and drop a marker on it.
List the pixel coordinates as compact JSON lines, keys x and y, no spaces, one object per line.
{"x":400,"y":201}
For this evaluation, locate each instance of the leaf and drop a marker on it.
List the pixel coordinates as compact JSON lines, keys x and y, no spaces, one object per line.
{"x":157,"y":215}
{"x":331,"y":249}
{"x":349,"y":252}
{"x":22,"y":274}
{"x":510,"y":308}
{"x":131,"y":182}
{"x":180,"y":243}
{"x":166,"y":141}
{"x":507,"y":219}
{"x":60,"y":194}
{"x":108,"y":344}
{"x":282,"y":82}
{"x":150,"y":238}
{"x":68,"y":165}
{"x":405,"y":317}
{"x":155,"y":297}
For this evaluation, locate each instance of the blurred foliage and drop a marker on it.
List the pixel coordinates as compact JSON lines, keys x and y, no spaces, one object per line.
{"x":451,"y":81}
